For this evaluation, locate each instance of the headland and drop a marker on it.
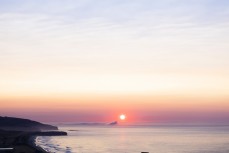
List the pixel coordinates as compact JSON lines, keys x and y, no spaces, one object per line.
{"x":18,"y":135}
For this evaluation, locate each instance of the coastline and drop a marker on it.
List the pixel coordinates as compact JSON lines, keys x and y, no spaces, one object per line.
{"x":32,"y":142}
{"x":21,"y":141}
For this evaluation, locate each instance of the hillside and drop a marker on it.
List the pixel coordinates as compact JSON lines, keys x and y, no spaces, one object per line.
{"x":11,"y":123}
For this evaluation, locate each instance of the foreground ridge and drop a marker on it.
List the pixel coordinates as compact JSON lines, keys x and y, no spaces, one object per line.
{"x":18,"y":135}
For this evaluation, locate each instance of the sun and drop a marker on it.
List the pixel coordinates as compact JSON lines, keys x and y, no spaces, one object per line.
{"x":122,"y":117}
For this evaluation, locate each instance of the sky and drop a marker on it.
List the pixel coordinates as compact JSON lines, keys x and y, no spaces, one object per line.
{"x":91,"y":60}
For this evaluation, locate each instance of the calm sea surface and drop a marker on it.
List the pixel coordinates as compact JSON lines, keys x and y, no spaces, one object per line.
{"x":136,"y":139}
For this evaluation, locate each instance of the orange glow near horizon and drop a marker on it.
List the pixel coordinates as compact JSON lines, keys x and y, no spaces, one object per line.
{"x":107,"y":107}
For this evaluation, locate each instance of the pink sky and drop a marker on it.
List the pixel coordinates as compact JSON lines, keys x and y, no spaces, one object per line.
{"x":155,"y":61}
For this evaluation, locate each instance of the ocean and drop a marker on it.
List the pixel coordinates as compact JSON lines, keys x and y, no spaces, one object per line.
{"x":137,"y":139}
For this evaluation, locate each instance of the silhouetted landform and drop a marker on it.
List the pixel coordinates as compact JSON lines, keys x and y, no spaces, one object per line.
{"x":73,"y":130}
{"x":18,"y":124}
{"x":113,"y":123}
{"x":20,"y":141}
{"x":88,"y":124}
{"x":94,"y":123}
{"x":49,"y":133}
{"x":19,"y":134}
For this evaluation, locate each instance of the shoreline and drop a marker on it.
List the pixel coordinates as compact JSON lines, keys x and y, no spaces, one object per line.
{"x":32,"y":142}
{"x":24,"y":141}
